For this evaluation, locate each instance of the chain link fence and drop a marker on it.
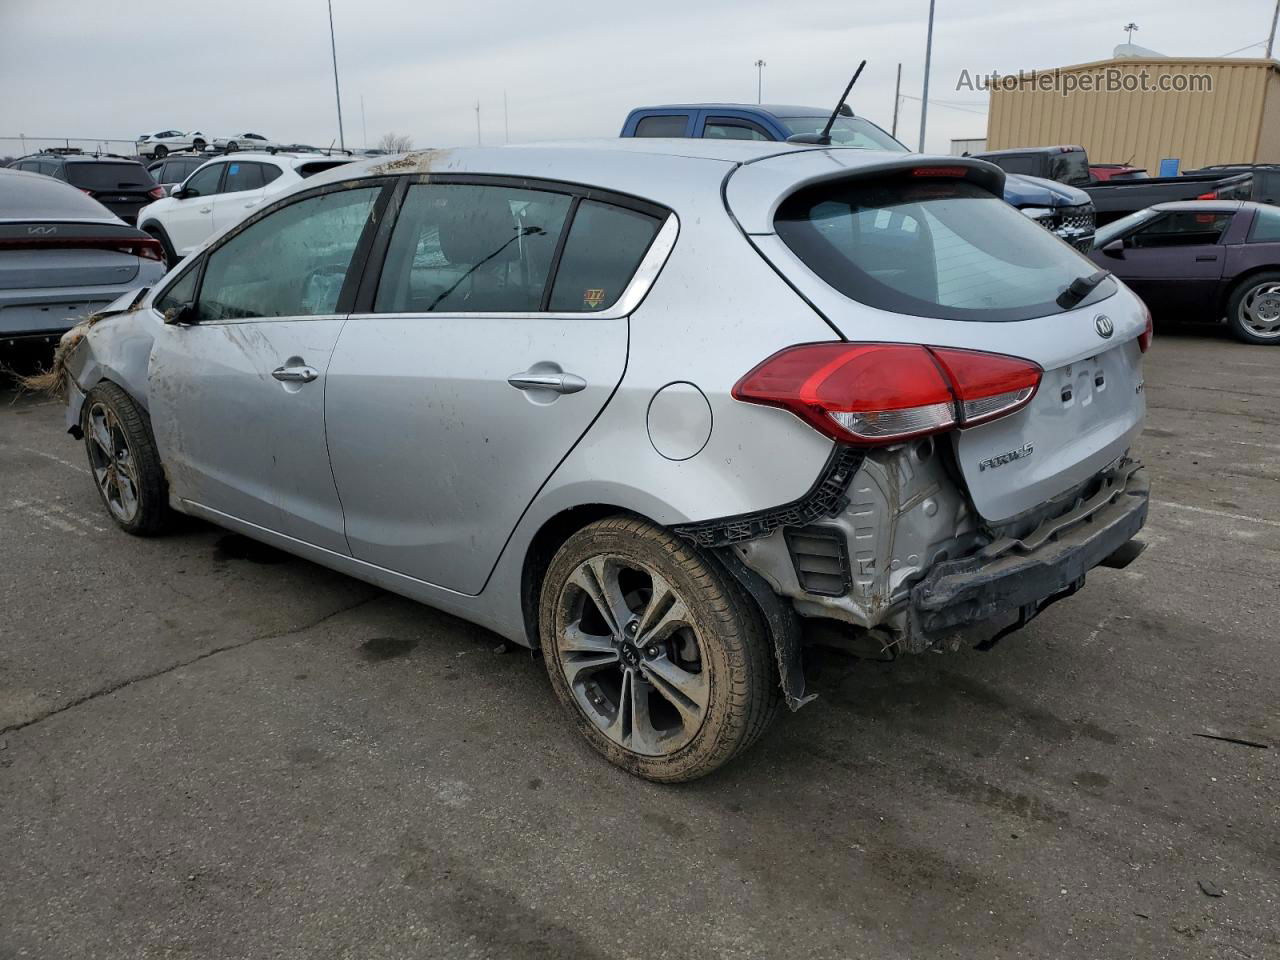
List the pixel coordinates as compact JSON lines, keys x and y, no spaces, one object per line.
{"x":20,"y":146}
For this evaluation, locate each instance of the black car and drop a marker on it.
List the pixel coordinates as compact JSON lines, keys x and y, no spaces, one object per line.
{"x":121,"y":185}
{"x":176,"y":167}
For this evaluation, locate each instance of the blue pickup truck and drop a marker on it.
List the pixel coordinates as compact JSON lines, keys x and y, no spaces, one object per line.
{"x":1065,"y":210}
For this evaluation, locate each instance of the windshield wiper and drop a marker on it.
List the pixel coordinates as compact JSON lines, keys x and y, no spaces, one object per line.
{"x":1081,"y":287}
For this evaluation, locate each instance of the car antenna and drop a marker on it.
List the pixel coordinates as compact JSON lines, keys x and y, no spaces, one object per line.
{"x":824,"y":138}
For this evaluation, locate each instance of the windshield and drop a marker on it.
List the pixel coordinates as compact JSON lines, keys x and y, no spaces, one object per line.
{"x":1122,"y":226}
{"x":847,"y":132}
{"x":99,"y":175}
{"x":931,"y":248}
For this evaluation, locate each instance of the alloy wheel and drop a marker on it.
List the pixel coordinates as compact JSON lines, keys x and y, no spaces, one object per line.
{"x":631,"y":655}
{"x":1260,"y":311}
{"x":112,"y":462}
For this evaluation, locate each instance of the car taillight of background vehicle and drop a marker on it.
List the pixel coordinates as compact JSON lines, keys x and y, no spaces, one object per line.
{"x":156,"y":193}
{"x":1144,"y":338}
{"x":876,"y":393}
{"x":148,"y":248}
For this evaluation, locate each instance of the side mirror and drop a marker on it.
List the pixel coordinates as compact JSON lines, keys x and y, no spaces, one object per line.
{"x":183,"y":316}
{"x":1114,"y":249}
{"x":181,"y":193}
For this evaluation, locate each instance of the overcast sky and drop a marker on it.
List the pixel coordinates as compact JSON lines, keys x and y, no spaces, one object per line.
{"x":118,"y":68}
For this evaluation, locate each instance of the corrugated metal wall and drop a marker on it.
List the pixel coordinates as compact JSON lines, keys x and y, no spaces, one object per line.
{"x":1232,"y":122}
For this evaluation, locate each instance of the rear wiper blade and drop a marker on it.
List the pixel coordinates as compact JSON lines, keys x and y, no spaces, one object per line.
{"x":1081,"y":287}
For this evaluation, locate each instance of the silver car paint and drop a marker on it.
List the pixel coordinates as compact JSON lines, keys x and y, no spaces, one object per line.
{"x":722,"y":329}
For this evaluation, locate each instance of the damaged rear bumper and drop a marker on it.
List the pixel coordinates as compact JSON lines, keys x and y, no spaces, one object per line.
{"x":1018,"y":576}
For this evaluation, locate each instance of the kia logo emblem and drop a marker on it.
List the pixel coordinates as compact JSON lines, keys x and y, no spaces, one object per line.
{"x":1102,"y":323}
{"x":41,"y":231}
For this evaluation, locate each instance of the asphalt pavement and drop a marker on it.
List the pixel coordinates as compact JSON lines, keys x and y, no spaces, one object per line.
{"x":212,"y":750}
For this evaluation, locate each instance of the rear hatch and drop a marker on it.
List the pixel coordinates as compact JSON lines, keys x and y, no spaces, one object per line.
{"x":122,"y":186}
{"x":924,"y":251}
{"x":39,"y":255}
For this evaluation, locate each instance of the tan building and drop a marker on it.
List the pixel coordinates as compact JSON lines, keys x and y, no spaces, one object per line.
{"x":1142,"y":110}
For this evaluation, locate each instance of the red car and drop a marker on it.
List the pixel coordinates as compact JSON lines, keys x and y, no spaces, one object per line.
{"x":1102,"y":172}
{"x":1201,"y":260}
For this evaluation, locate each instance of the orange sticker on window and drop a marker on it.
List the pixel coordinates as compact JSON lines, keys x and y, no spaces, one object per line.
{"x":593,"y":298}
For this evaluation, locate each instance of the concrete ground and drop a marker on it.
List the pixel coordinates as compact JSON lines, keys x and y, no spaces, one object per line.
{"x":208,"y":753}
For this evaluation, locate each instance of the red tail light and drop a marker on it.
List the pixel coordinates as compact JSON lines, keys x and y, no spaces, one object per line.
{"x":156,"y":193}
{"x":1144,"y":338}
{"x":877,"y":393}
{"x":148,"y":248}
{"x":1208,"y":196}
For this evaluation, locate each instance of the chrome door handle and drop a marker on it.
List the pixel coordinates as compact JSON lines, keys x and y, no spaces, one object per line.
{"x":295,"y":374}
{"x":557,"y":382}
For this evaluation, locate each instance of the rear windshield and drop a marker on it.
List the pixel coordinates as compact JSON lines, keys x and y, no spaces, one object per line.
{"x":100,"y":175}
{"x":931,"y":248}
{"x":312,"y":167}
{"x":847,"y":132}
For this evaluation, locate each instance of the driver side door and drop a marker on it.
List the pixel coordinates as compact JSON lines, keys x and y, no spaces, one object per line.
{"x":189,"y":220}
{"x":237,"y":389}
{"x":1174,"y":262}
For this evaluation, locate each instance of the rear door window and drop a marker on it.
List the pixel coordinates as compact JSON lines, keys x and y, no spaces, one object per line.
{"x":664,"y":126}
{"x":471,"y":248}
{"x":932,"y":248}
{"x":605,"y":246}
{"x":241,"y":177}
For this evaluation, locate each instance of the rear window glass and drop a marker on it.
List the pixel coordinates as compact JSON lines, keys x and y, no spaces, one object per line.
{"x":1070,"y":167}
{"x":932,"y":248}
{"x":315,"y":166}
{"x":662,"y":126}
{"x":108,"y":176}
{"x":1266,"y":226}
{"x":604,"y":248}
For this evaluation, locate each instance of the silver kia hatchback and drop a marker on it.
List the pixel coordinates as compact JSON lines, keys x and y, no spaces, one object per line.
{"x":648,"y":406}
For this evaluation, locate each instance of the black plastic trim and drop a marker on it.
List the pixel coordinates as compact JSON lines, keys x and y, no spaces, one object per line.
{"x":826,"y":498}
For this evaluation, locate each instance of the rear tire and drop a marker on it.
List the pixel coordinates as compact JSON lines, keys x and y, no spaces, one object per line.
{"x":157,"y":231}
{"x":661,"y":660}
{"x":124,"y":461}
{"x":160,"y":152}
{"x":197,"y":144}
{"x":1253,"y":311}
{"x":232,"y":147}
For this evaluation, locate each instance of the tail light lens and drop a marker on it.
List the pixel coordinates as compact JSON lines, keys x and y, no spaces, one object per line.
{"x":1144,"y":338}
{"x":156,"y":193}
{"x":148,"y":248}
{"x":877,"y":393}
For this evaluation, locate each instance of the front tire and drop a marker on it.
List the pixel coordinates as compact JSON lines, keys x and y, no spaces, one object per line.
{"x":661,"y":660}
{"x":1253,"y":312}
{"x":232,"y":147}
{"x":197,"y":145}
{"x":124,"y":461}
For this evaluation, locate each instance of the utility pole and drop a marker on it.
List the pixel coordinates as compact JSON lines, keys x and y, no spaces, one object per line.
{"x":478,"y":141}
{"x":337,"y":95}
{"x":364,"y":127}
{"x":1271,"y":40}
{"x":506,"y":120}
{"x":760,"y":65}
{"x":924,"y":95}
{"x":897,"y":100}
{"x":1128,"y":29}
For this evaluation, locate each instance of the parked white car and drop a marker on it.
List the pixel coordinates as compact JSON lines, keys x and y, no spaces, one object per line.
{"x":244,"y":141}
{"x":165,"y":142}
{"x":222,"y":193}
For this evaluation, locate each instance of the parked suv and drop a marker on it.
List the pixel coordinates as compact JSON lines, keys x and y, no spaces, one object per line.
{"x":1063,"y":210}
{"x":176,"y":167}
{"x":164,"y":142}
{"x":223,"y":192}
{"x":644,"y":404}
{"x":121,"y":185}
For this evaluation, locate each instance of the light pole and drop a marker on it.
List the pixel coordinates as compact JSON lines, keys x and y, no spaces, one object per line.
{"x":1128,"y":29}
{"x":1271,"y":40}
{"x":760,"y":65}
{"x":337,"y":94}
{"x":924,"y":94}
